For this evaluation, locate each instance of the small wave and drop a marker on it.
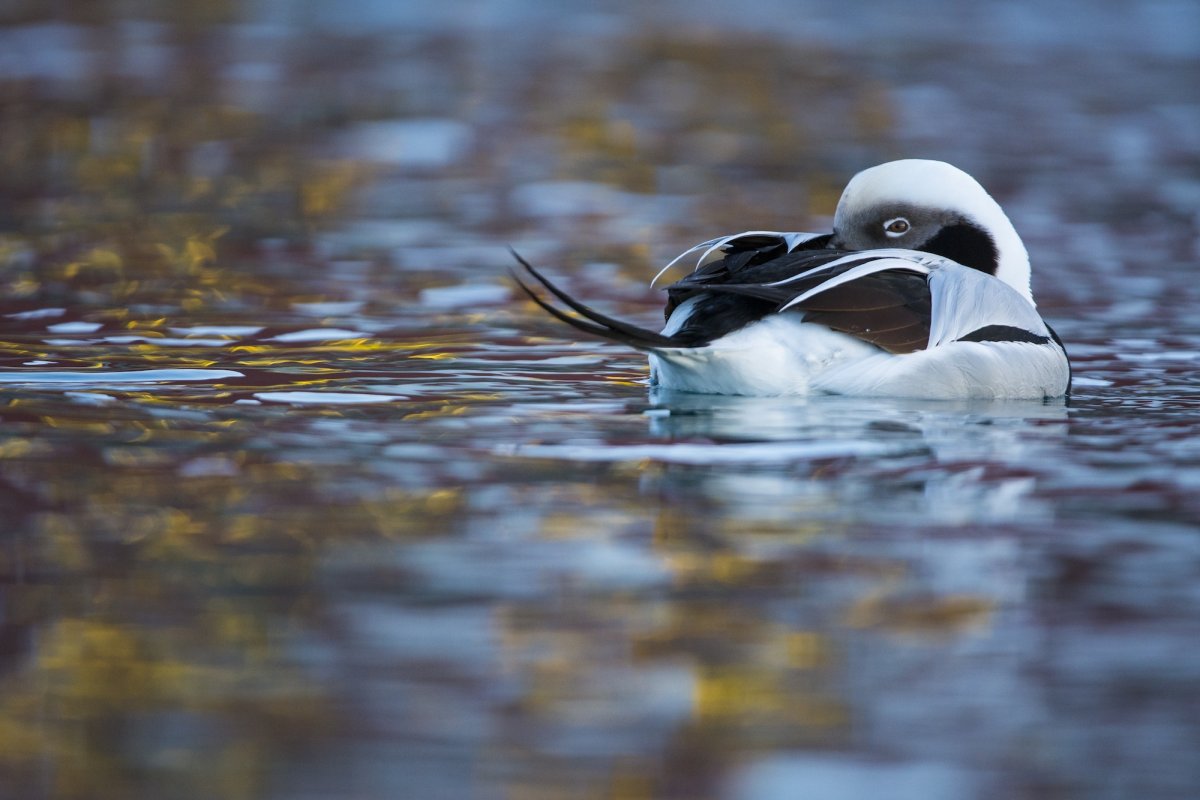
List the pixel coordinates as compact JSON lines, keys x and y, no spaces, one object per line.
{"x":701,"y":454}
{"x":104,"y":377}
{"x":327,"y":398}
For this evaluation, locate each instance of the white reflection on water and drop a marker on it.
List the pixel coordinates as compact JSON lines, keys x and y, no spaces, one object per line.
{"x":773,"y":418}
{"x":957,"y":462}
{"x":107,"y":377}
{"x":841,"y":778}
{"x":327,"y":398}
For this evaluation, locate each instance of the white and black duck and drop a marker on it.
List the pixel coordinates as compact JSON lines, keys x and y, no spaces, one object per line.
{"x":921,"y":290}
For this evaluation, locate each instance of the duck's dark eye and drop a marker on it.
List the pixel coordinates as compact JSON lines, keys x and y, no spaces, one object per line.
{"x":896,"y":227}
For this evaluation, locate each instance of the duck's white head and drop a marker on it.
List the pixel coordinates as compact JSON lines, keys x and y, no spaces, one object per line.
{"x":934,"y":207}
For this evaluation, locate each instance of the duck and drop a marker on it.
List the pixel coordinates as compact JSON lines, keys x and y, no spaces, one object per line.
{"x":921,"y":290}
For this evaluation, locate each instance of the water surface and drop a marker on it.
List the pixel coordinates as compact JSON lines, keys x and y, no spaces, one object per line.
{"x":300,"y":499}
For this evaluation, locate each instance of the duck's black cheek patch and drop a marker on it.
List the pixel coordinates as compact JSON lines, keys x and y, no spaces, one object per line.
{"x":966,"y":244}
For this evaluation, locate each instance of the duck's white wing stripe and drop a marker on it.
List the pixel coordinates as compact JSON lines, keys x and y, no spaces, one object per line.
{"x":853,"y":274}
{"x":796,"y":239}
{"x":965,"y":300}
{"x":909,"y":258}
{"x":864,"y":256}
{"x":710,"y":243}
{"x":792,"y":239}
{"x":788,"y":238}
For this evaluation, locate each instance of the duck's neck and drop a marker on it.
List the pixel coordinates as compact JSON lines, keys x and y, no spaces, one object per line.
{"x":1011,"y":257}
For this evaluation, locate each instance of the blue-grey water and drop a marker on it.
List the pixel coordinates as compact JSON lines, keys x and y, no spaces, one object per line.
{"x":299,"y":499}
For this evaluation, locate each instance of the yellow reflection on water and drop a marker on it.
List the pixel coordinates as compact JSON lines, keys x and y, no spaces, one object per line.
{"x":930,"y":615}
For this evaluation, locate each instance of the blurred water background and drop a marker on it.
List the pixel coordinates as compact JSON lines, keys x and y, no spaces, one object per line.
{"x":299,"y":500}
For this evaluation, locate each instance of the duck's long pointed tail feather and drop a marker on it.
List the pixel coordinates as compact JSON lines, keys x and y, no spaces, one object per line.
{"x":589,"y":320}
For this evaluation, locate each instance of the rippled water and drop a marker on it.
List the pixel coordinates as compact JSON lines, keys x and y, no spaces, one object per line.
{"x":300,"y":501}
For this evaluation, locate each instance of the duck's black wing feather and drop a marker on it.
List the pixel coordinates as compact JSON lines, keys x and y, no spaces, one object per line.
{"x":890,"y":309}
{"x":589,"y":320}
{"x":752,"y":259}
